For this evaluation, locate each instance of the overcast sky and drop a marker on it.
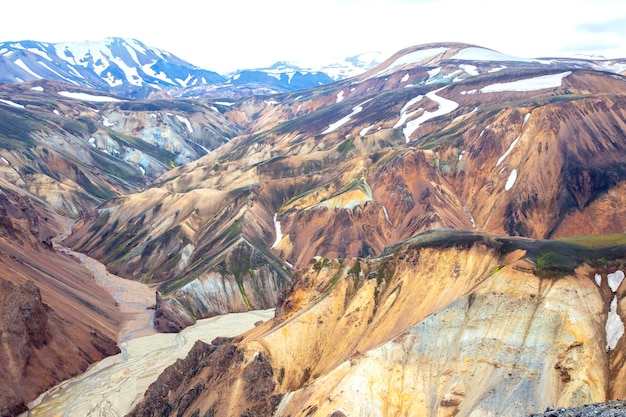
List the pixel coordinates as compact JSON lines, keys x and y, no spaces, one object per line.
{"x":225,"y":35}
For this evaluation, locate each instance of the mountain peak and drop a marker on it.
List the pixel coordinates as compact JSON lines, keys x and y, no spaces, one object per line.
{"x":284,"y":65}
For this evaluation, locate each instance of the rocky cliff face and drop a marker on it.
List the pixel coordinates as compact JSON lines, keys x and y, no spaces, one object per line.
{"x":220,"y":363}
{"x":445,"y":324}
{"x":54,"y":320}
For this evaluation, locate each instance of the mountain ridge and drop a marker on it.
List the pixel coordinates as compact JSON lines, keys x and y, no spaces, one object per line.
{"x":129,"y":68}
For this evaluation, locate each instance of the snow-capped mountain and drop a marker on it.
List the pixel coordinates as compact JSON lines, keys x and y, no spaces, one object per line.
{"x":352,"y":66}
{"x":122,"y":66}
{"x":278,"y":78}
{"x":284,"y":76}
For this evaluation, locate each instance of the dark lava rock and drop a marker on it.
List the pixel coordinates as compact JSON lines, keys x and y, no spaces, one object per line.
{"x":615,"y":408}
{"x":170,"y":316}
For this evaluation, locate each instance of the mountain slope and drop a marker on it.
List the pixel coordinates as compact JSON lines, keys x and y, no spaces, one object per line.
{"x":74,"y":148}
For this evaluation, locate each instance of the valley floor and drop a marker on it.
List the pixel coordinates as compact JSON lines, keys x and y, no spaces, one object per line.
{"x":114,"y":385}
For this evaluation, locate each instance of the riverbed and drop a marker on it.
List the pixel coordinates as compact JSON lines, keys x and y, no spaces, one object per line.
{"x":113,"y":386}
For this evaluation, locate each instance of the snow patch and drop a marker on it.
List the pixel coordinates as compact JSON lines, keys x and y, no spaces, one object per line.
{"x":614,"y":326}
{"x":37,"y":88}
{"x":500,"y":68}
{"x":508,"y":151}
{"x":615,"y":279}
{"x":433,"y":73}
{"x":23,"y":66}
{"x":469,"y":216}
{"x":598,"y":279}
{"x":11,"y":103}
{"x":412,"y":58}
{"x":106,"y":122}
{"x":186,"y":122}
{"x":511,"y":181}
{"x":470,"y":69}
{"x":185,"y":82}
{"x":387,"y":215}
{"x":364,"y":131}
{"x":463,"y":116}
{"x":279,"y":233}
{"x":339,"y":97}
{"x":112,"y":81}
{"x":403,"y":112}
{"x":132,"y":76}
{"x":151,"y":72}
{"x":186,"y":253}
{"x":615,"y":67}
{"x":132,"y":53}
{"x":482,"y":54}
{"x":87,"y":97}
{"x":528,"y":84}
{"x":43,"y":64}
{"x":445,"y":106}
{"x":76,"y":73}
{"x":332,"y":127}
{"x":405,"y":78}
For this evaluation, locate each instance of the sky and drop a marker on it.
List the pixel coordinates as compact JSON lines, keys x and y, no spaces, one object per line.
{"x":223,"y":36}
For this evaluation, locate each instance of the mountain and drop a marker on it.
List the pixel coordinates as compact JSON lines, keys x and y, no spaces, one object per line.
{"x":74,"y":147}
{"x":130,"y":69}
{"x":283,"y":75}
{"x":442,"y":234}
{"x":352,"y":167}
{"x":351,"y":66}
{"x":125,"y":67}
{"x":278,"y":78}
